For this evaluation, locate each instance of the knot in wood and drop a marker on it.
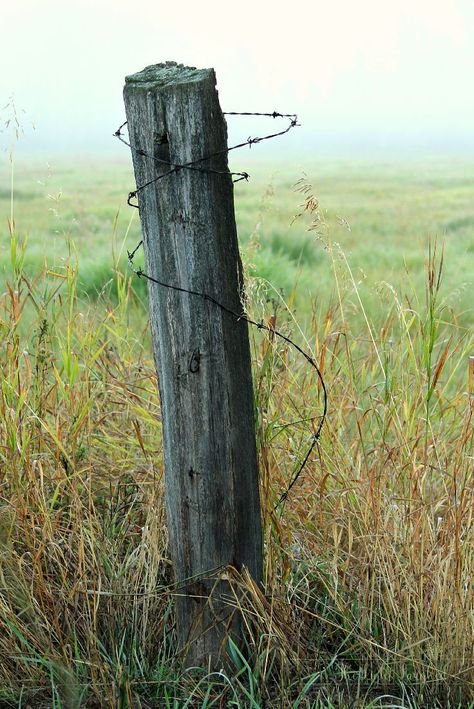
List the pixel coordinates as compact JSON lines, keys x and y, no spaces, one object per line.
{"x":194,"y":362}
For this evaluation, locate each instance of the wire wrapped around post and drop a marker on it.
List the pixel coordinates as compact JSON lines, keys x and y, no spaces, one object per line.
{"x":196,"y":165}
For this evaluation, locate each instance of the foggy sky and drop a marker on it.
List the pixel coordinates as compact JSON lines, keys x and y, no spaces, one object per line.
{"x":366,"y":76}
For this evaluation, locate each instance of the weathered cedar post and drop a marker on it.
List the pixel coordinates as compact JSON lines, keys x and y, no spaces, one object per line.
{"x":202,"y":353}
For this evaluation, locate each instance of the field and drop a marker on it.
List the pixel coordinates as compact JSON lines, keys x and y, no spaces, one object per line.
{"x":381,"y":215}
{"x":368,"y":569}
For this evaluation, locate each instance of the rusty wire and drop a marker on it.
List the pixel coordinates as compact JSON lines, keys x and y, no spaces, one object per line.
{"x":239,"y":317}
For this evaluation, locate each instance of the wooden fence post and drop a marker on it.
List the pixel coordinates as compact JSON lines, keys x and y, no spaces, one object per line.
{"x":201,"y":352}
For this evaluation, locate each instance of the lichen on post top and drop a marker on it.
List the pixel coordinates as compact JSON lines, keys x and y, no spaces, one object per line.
{"x":163,"y":74}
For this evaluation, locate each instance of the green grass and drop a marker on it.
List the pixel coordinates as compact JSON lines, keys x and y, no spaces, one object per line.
{"x":381,"y":215}
{"x":368,"y":598}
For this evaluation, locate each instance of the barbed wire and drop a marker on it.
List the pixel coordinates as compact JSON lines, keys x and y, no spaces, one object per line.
{"x":239,"y":317}
{"x":193,"y":165}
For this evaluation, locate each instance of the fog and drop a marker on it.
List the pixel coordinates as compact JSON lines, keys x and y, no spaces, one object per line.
{"x":368,"y":77}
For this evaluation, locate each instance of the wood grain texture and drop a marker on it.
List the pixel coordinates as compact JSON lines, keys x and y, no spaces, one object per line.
{"x":202,"y":354}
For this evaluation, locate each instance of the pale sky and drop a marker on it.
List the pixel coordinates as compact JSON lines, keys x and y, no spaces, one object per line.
{"x":361,"y":74}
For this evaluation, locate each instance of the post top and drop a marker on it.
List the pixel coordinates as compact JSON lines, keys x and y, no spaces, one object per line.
{"x":167,"y":73}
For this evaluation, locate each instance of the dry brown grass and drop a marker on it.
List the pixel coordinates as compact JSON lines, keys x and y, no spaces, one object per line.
{"x":368,"y":567}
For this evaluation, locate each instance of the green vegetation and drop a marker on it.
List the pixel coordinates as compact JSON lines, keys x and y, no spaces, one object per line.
{"x":381,"y":215}
{"x":368,"y":598}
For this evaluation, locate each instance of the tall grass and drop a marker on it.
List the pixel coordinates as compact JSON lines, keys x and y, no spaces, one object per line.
{"x":368,"y":596}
